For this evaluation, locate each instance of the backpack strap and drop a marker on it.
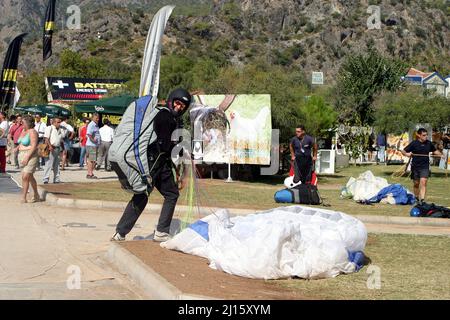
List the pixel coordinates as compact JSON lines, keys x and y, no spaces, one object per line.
{"x":296,"y":195}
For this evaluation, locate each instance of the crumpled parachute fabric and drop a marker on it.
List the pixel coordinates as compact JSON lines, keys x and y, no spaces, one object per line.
{"x":293,"y":241}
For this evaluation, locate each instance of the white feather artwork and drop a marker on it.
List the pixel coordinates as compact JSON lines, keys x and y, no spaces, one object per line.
{"x":249,"y":129}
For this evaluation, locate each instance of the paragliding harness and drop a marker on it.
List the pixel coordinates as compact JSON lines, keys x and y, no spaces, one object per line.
{"x":302,"y":193}
{"x":430,"y":210}
{"x":307,"y":193}
{"x":132,"y":155}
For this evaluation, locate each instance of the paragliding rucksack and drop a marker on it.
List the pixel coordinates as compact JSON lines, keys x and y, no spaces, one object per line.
{"x":430,"y":210}
{"x":301,"y":194}
{"x":128,"y":152}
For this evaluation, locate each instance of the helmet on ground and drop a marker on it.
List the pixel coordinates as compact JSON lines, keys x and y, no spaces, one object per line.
{"x":181,"y":95}
{"x":289,"y":182}
{"x":415,"y":212}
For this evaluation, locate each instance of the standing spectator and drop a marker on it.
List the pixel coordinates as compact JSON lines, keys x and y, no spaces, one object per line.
{"x":28,"y":158}
{"x":14,"y":132}
{"x":54,"y":137}
{"x":420,"y":150}
{"x":40,"y":127}
{"x":70,"y":134}
{"x":371,"y":147}
{"x":4,"y":129}
{"x":92,"y":144}
{"x":304,"y":154}
{"x":10,"y":145}
{"x":83,"y":139}
{"x":443,"y":164}
{"x":106,"y":138}
{"x":381,"y":146}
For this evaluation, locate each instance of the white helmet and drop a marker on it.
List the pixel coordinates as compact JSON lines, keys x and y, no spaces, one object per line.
{"x":289,"y":182}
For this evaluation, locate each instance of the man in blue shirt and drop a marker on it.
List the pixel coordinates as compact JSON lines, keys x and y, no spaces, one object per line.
{"x":304,"y":154}
{"x":420,"y":150}
{"x":92,"y":144}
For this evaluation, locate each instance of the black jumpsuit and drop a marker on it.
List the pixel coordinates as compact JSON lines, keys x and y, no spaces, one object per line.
{"x":163,"y":179}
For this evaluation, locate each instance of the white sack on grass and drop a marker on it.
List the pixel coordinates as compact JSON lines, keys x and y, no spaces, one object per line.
{"x":365,"y":187}
{"x":284,"y":242}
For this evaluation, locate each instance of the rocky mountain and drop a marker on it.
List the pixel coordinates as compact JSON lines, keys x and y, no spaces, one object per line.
{"x":308,"y":35}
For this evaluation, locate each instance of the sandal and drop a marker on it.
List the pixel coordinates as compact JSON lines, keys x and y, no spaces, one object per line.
{"x":33,"y":200}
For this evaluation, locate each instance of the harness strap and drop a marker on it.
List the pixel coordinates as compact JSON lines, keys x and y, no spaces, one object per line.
{"x":296,"y":194}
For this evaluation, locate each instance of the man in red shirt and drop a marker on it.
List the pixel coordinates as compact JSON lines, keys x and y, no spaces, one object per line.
{"x":83,"y":139}
{"x":14,"y":132}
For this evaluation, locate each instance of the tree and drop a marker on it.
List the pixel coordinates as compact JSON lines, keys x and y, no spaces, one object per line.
{"x":361,"y":78}
{"x":32,"y":89}
{"x":176,"y":71}
{"x":399,"y":112}
{"x":318,"y":115}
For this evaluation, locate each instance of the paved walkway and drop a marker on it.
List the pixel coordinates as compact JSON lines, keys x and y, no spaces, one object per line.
{"x":43,"y":247}
{"x":407,"y":229}
{"x":7,"y":185}
{"x":72,"y":174}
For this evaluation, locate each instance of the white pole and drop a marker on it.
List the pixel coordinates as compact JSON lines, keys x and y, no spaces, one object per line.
{"x":229,"y":179}
{"x":229,"y":172}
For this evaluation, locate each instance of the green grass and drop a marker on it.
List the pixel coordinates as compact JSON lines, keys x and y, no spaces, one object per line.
{"x":412,"y":267}
{"x":259,"y":195}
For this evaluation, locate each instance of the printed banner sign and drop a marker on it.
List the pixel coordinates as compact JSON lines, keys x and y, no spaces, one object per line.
{"x":394,"y":146}
{"x":79,"y":89}
{"x":232,"y":128}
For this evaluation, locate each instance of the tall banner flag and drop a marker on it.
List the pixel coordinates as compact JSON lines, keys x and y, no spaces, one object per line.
{"x":152,"y":54}
{"x":16,"y":97}
{"x":8,"y":80}
{"x":49,"y":26}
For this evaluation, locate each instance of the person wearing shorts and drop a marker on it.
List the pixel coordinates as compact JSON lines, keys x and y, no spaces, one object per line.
{"x":92,"y":144}
{"x":420,"y":150}
{"x":4,"y":129}
{"x":67,"y":142}
{"x":28,"y":158}
{"x":92,"y":153}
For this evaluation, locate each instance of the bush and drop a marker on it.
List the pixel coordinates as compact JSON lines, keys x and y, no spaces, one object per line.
{"x":421,"y":33}
{"x":296,"y":51}
{"x":336,"y":15}
{"x":232,"y":15}
{"x":136,"y":20}
{"x":302,"y":20}
{"x":310,"y":27}
{"x":202,"y":29}
{"x":391,"y":44}
{"x":281,"y":57}
{"x":419,"y":47}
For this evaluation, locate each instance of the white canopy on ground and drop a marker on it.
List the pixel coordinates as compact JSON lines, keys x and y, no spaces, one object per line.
{"x":365,"y":187}
{"x":284,"y":242}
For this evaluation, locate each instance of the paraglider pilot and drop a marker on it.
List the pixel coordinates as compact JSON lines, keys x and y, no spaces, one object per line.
{"x":159,"y":155}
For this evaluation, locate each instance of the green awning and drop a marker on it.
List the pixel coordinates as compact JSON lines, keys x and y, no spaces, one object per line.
{"x":46,"y":110}
{"x":114,"y":105}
